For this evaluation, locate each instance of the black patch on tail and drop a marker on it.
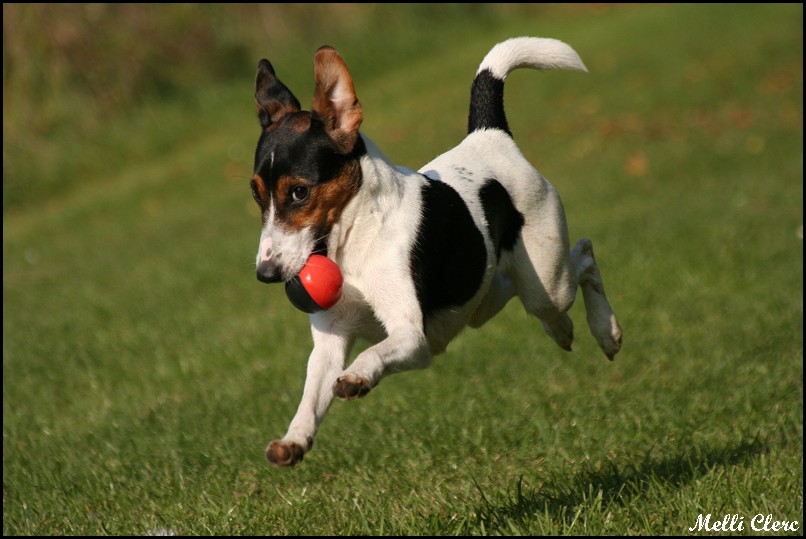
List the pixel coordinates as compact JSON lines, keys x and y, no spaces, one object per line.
{"x":448,"y":258}
{"x":487,"y":104}
{"x":504,"y":221}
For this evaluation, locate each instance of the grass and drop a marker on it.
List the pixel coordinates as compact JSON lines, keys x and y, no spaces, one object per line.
{"x":144,"y":368}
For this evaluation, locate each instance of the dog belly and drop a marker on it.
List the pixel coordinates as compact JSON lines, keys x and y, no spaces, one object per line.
{"x":443,"y":326}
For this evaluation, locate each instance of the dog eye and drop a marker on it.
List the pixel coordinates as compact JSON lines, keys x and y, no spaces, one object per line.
{"x":299,"y":193}
{"x":255,"y":194}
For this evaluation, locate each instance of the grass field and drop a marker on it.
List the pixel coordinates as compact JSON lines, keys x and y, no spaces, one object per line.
{"x":145,"y":369}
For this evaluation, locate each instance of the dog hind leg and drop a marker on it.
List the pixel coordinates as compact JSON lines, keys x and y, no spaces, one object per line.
{"x":560,"y":328}
{"x":546,"y":286}
{"x":602,"y":322}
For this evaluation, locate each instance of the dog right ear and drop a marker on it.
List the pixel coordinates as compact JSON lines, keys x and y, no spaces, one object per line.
{"x":334,"y":100}
{"x":274,"y":100}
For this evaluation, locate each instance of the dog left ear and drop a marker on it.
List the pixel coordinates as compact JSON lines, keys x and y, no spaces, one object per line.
{"x":334,"y":101}
{"x":274,"y":100}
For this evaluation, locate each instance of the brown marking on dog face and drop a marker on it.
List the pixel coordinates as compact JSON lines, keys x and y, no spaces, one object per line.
{"x":283,"y":188}
{"x":260,"y":187}
{"x":260,"y":192}
{"x":323,"y":203}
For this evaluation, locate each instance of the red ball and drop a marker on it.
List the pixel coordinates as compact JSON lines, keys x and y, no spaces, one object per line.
{"x":317,"y":287}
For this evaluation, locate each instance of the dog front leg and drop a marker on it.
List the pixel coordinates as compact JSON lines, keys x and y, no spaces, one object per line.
{"x":403,"y":349}
{"x":324,"y":366}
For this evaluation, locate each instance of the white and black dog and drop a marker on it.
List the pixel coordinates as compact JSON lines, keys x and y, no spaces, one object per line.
{"x":423,"y":254}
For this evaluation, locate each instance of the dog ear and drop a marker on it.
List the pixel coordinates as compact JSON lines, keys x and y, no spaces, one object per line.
{"x":273,"y":99}
{"x":334,"y":101}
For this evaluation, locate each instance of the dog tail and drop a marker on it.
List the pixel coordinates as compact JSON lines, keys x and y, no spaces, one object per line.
{"x":487,"y":94}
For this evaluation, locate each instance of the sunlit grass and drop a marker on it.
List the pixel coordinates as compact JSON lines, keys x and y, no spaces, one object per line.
{"x":144,"y":367}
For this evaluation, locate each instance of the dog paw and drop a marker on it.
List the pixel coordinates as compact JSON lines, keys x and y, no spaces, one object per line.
{"x":612,"y":340}
{"x":281,"y":453}
{"x":561,"y":329}
{"x":351,"y":386}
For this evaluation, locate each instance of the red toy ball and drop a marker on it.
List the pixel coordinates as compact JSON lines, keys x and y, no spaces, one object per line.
{"x":317,"y":287}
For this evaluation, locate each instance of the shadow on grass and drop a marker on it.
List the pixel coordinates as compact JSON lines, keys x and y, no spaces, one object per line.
{"x":608,"y":483}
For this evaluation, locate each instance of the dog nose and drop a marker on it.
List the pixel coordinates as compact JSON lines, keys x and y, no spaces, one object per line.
{"x":267,"y":273}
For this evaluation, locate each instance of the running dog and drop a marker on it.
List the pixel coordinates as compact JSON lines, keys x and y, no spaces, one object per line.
{"x":423,"y":254}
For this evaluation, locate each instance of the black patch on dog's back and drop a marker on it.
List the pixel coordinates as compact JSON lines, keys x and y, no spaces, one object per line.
{"x":448,"y":258}
{"x":504,"y":221}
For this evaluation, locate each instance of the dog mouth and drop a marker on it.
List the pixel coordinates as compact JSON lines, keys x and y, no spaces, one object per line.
{"x":320,"y":248}
{"x":270,"y":271}
{"x":269,"y":277}
{"x":279,"y":273}
{"x":272,"y":267}
{"x":283,"y":264}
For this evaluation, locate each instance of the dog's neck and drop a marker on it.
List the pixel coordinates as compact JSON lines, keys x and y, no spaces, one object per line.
{"x":380,"y":176}
{"x":383,"y":187}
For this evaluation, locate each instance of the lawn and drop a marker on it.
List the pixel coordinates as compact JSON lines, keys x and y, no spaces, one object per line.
{"x":145,"y":368}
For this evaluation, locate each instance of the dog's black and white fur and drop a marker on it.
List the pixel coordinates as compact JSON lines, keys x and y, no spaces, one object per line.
{"x":423,"y":254}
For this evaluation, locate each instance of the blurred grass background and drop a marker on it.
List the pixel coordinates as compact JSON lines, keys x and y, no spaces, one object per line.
{"x":83,"y":83}
{"x":144,"y":367}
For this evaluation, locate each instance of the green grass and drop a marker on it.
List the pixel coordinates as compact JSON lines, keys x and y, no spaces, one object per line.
{"x":145,"y":369}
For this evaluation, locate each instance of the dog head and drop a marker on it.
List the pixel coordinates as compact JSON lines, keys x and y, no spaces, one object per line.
{"x":306,"y":164}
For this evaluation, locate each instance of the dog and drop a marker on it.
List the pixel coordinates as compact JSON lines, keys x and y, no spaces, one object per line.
{"x":423,"y":254}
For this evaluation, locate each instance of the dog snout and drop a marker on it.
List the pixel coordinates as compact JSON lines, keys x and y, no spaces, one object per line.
{"x":268,"y":270}
{"x":268,"y":273}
